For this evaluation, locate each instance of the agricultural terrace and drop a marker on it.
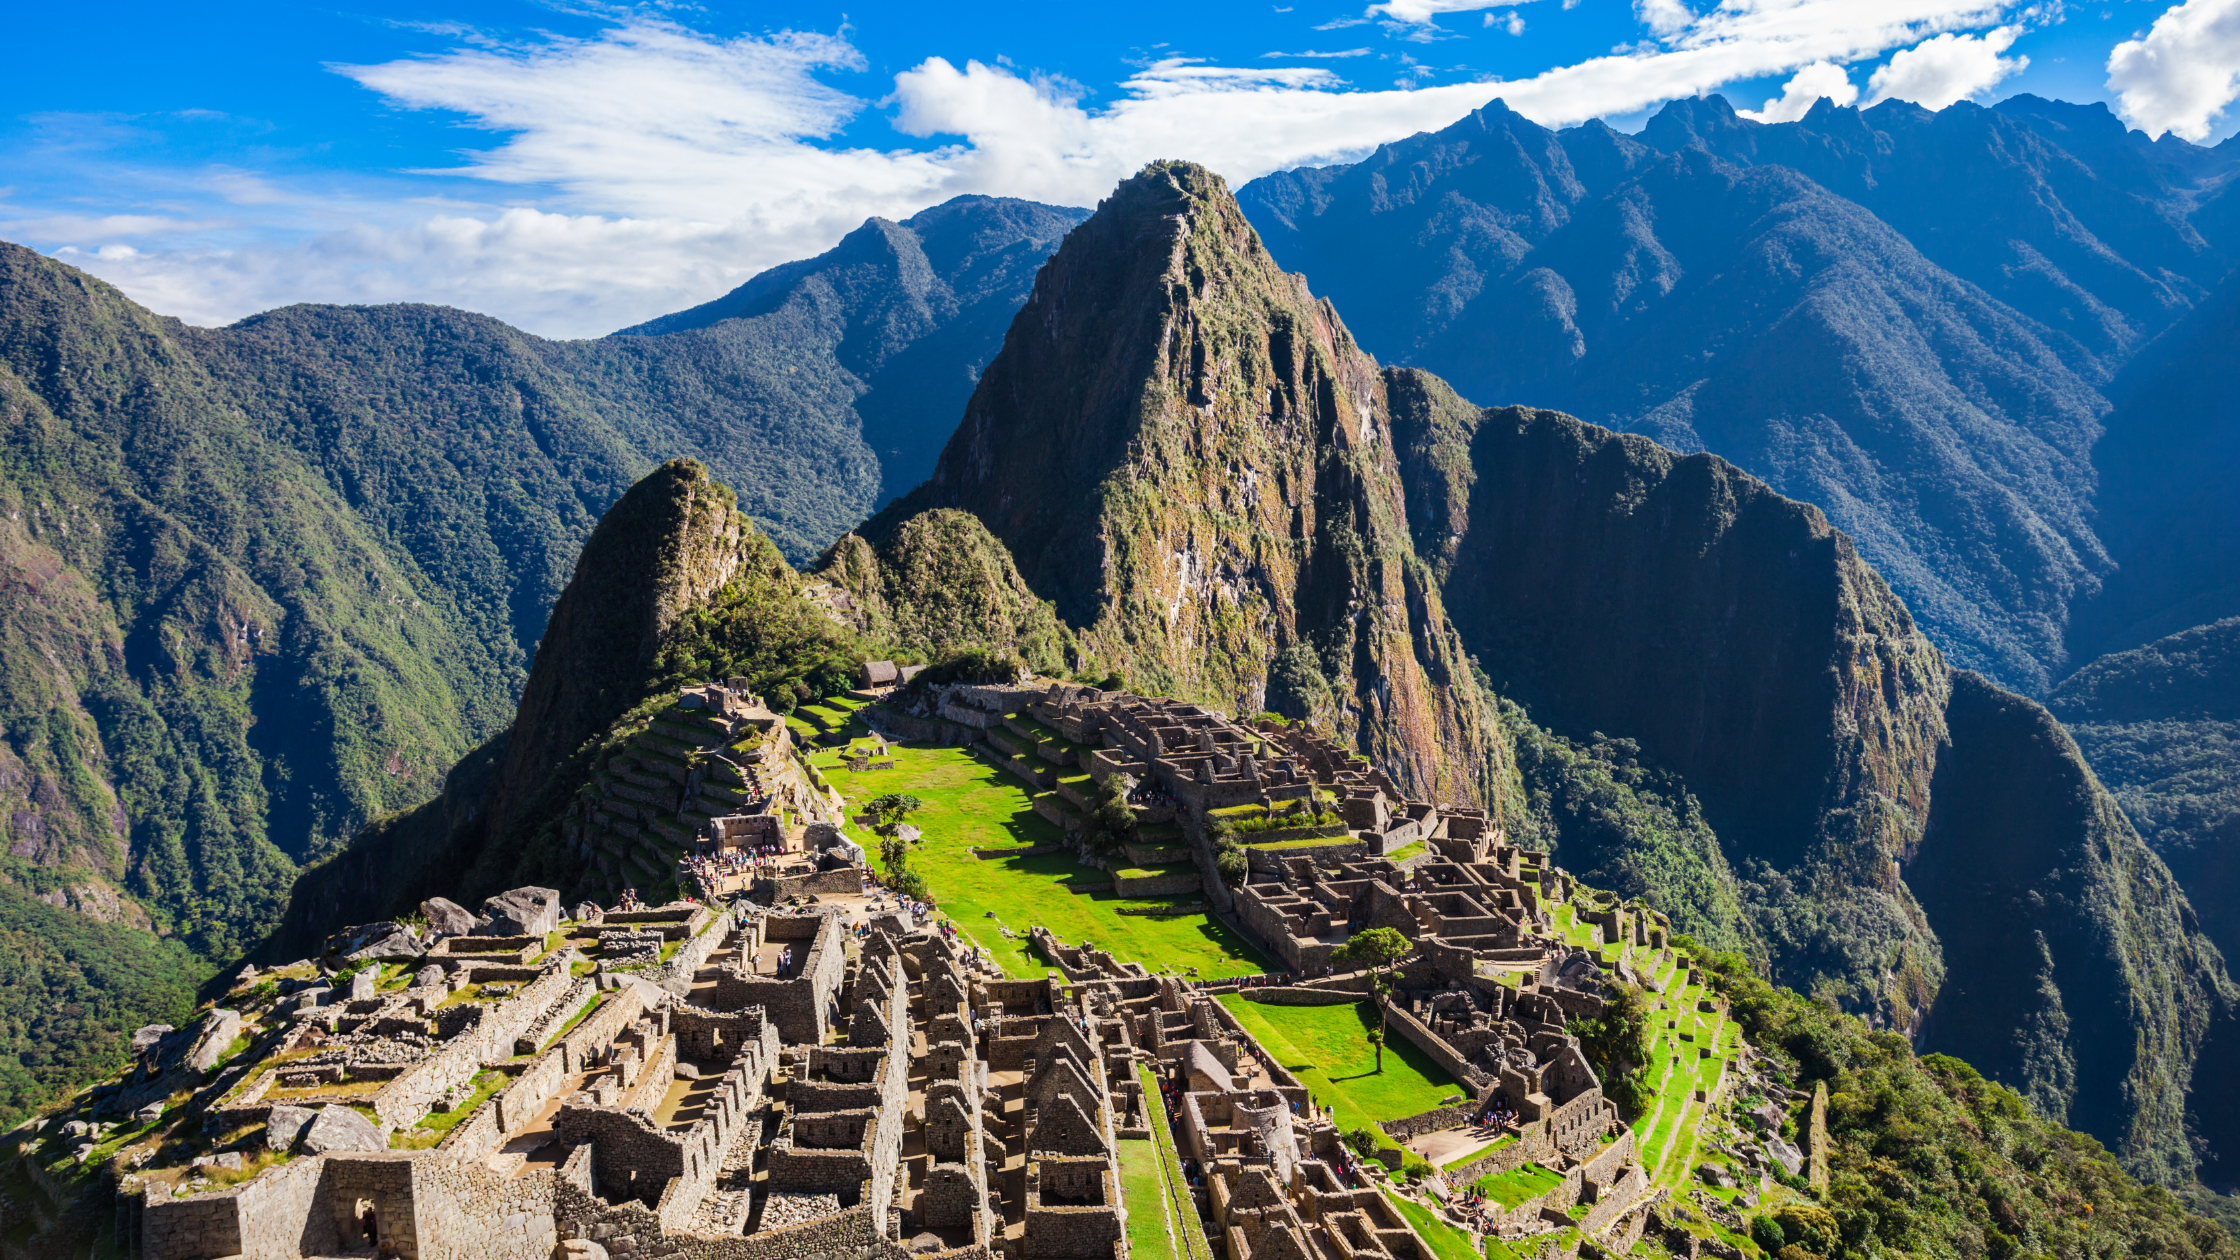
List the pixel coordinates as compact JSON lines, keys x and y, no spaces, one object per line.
{"x":972,"y":804}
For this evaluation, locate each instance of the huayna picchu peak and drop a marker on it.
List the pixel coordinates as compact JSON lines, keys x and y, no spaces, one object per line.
{"x":1018,"y":738}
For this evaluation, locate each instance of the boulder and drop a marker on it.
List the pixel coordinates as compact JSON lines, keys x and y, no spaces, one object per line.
{"x":364,"y":986}
{"x":148,"y":1114}
{"x":212,"y":1034}
{"x":1789,"y":1157}
{"x":311,"y":998}
{"x":586,"y":912}
{"x":339,"y":1128}
{"x":376,"y":940}
{"x":427,"y":976}
{"x":579,"y":1249}
{"x":148,"y":1036}
{"x":525,"y":911}
{"x":446,"y":918}
{"x":286,"y":1125}
{"x":229,"y":1160}
{"x":686,"y":1071}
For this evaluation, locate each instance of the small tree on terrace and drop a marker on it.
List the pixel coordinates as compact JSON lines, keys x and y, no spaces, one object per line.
{"x":1377,"y":949}
{"x":891,"y":809}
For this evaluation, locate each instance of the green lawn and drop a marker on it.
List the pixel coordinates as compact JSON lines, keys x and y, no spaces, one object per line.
{"x":1144,"y":1193}
{"x":1447,"y":1242}
{"x":1518,"y":1184}
{"x":970,"y":804}
{"x":1328,"y":1049}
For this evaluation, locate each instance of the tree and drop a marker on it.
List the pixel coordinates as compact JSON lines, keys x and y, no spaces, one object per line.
{"x":891,"y":809}
{"x":1616,"y":1046}
{"x":1112,"y":821}
{"x":1378,"y":948}
{"x":894,"y":854}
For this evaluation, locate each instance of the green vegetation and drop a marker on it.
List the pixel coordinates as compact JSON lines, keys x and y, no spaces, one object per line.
{"x":1447,"y":1242}
{"x":970,"y":804}
{"x":1181,"y":1208}
{"x":71,"y":993}
{"x":1518,"y":1184}
{"x":1144,"y":1192}
{"x":1328,"y":1049}
{"x":1624,"y":825}
{"x":1929,"y":1158}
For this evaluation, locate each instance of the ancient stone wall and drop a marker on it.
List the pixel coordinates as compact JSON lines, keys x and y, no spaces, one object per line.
{"x":404,"y":1101}
{"x":471,"y":1213}
{"x":1431,"y":1043}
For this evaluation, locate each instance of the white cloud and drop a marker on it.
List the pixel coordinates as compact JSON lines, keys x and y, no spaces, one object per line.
{"x":1804,"y":90}
{"x":1949,"y":68}
{"x":1349,"y":52}
{"x":661,"y":166}
{"x":1511,"y":21}
{"x":2185,"y":71}
{"x":1420,"y":12}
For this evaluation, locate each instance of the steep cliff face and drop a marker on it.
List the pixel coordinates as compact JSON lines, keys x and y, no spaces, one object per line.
{"x":2076,"y":971}
{"x":2161,"y":726}
{"x":940,"y":583}
{"x":1615,"y":586}
{"x":1915,"y":843}
{"x":1188,"y":454}
{"x":667,"y":545}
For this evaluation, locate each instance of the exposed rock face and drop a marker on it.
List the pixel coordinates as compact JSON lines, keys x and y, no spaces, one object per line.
{"x":670,"y":542}
{"x":286,"y":1125}
{"x":1188,"y":454}
{"x":1614,"y":585}
{"x":446,"y":917}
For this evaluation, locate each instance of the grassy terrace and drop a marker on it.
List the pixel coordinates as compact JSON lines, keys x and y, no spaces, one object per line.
{"x":1327,"y":1048}
{"x":970,"y":804}
{"x":1447,"y":1242}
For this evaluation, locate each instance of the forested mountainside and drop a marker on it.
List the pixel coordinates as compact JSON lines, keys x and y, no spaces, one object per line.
{"x":2161,"y":725}
{"x":1900,"y":838}
{"x":1905,"y":318}
{"x":922,"y":306}
{"x":275,"y":580}
{"x":2167,"y":469}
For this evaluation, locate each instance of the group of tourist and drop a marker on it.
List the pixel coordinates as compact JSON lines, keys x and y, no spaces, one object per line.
{"x":1246,"y":982}
{"x":1151,"y":793}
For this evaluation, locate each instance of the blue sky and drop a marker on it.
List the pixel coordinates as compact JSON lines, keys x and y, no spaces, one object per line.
{"x":576,"y":168}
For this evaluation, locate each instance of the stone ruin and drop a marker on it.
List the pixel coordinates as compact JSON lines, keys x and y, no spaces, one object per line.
{"x":716,"y":764}
{"x":515,"y":1098}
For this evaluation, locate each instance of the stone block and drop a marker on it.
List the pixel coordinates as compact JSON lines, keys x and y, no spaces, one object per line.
{"x":213,"y":1034}
{"x":446,"y":917}
{"x":525,"y":911}
{"x":339,"y":1128}
{"x":287,"y":1124}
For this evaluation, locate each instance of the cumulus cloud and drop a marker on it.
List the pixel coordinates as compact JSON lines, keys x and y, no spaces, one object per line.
{"x":1937,"y":72}
{"x":1804,"y":90}
{"x":662,"y":166}
{"x":2183,"y":73}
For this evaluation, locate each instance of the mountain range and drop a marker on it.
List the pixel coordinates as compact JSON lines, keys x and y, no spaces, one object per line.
{"x":1812,"y":451}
